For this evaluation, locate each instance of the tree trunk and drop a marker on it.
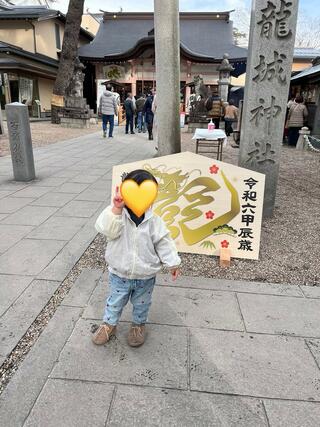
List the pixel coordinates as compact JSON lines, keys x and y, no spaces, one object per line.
{"x":67,"y":58}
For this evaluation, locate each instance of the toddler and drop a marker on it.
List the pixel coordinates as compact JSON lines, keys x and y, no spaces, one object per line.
{"x":137,"y":247}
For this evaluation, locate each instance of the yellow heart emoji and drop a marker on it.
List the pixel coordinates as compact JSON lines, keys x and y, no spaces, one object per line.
{"x":139,"y":197}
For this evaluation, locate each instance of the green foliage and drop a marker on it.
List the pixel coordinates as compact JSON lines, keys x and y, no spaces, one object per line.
{"x":224,"y":229}
{"x":207,"y":244}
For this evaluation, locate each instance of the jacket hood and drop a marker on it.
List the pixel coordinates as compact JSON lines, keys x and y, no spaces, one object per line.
{"x":107,"y":93}
{"x":147,"y":215}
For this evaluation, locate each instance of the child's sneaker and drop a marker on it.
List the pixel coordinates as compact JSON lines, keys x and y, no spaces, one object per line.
{"x":103,"y":334}
{"x":136,"y":335}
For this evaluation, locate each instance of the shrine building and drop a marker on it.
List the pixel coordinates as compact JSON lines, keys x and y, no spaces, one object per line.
{"x":123,"y":51}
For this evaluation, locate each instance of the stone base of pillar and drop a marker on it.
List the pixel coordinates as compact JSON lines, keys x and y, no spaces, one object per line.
{"x":302,"y":144}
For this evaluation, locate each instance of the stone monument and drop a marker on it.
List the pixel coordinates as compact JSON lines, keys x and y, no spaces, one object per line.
{"x":225,"y":69}
{"x":167,"y":50}
{"x":75,"y":113}
{"x":271,"y":44}
{"x":20,"y":141}
{"x":198,"y":114}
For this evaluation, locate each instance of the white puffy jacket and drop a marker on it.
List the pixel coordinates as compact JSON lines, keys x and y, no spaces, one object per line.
{"x":136,"y":252}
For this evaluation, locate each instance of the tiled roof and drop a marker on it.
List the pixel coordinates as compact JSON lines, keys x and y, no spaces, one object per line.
{"x":306,"y":52}
{"x":311,"y":71}
{"x":201,"y":34}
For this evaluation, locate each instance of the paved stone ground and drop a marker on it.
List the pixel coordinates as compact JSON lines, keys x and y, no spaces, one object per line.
{"x":46,"y":225}
{"x":218,"y":353}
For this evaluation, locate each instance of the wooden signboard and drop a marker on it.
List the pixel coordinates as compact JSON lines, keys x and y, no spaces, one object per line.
{"x":206,"y":204}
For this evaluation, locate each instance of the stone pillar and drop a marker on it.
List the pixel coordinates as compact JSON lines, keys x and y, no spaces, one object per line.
{"x":1,"y":123}
{"x":20,"y":141}
{"x":224,"y":69}
{"x":302,"y":144}
{"x":167,"y":49}
{"x":271,"y":44}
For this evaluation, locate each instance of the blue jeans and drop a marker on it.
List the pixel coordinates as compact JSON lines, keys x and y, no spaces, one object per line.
{"x":141,"y":122}
{"x":121,"y":290}
{"x":108,"y":118}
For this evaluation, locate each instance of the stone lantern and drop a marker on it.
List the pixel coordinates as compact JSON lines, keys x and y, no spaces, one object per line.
{"x":224,"y":69}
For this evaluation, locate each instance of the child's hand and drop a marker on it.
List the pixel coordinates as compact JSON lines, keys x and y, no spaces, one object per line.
{"x":118,"y":203}
{"x":175,"y":272}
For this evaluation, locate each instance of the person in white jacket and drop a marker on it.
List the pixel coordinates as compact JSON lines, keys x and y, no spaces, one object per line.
{"x":137,"y":248}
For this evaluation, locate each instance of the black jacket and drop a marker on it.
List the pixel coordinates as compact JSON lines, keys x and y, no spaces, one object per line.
{"x":128,"y":106}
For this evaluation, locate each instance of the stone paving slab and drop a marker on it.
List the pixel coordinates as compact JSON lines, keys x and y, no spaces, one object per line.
{"x":29,"y":257}
{"x":54,"y":199}
{"x":161,"y":362}
{"x":314,"y":347}
{"x":11,"y":287}
{"x":78,"y":208}
{"x":60,"y":265}
{"x":94,"y":195}
{"x":2,"y":216}
{"x":292,"y":414}
{"x":32,"y":191}
{"x":22,"y":391}
{"x":253,"y":365}
{"x":49,"y":182}
{"x":30,"y":215}
{"x":272,"y":315}
{"x":15,"y":322}
{"x":180,"y":307}
{"x":231,"y":285}
{"x":71,"y":187}
{"x":145,"y":406}
{"x":80,"y":292}
{"x":311,"y":292}
{"x":9,"y":235}
{"x":58,"y":228}
{"x":85,"y":178}
{"x":5,"y":193}
{"x":70,"y":404}
{"x":10,"y":205}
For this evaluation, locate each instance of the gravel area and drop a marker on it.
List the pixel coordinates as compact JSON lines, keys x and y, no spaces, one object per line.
{"x":45,"y":133}
{"x":290,"y":240}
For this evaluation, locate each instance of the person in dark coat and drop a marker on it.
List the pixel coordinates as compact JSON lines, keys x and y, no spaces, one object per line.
{"x":130,"y":109}
{"x":147,"y":110}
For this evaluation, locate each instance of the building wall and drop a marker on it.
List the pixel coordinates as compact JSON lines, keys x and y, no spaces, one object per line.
{"x":46,"y":37}
{"x":18,"y":33}
{"x":90,"y":24}
{"x":45,"y":93}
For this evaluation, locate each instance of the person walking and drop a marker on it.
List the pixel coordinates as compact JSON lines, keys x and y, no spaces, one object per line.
{"x":129,"y":109}
{"x":139,"y":106}
{"x":214,"y":107}
{"x":147,"y":110}
{"x":230,"y":116}
{"x":297,"y":116}
{"x":108,"y":108}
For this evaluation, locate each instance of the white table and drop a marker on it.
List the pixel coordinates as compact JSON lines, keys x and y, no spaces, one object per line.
{"x":210,"y":139}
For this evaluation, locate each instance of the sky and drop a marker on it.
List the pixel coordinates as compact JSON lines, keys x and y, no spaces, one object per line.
{"x":308,"y":6}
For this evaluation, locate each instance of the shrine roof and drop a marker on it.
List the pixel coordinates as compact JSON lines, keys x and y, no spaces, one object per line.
{"x":308,"y":73}
{"x":205,"y":37}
